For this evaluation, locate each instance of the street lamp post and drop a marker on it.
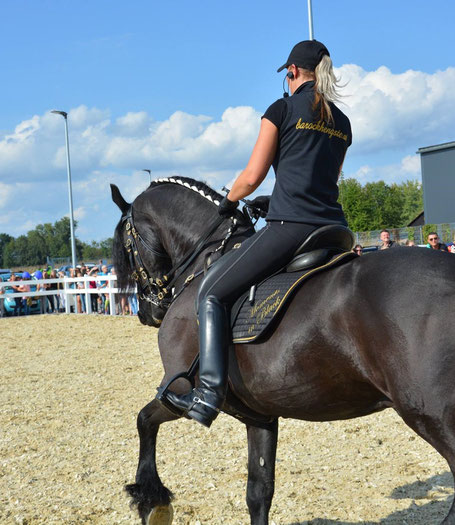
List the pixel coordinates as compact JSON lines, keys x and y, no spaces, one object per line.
{"x":70,"y":191}
{"x":150,"y":174}
{"x":310,"y":20}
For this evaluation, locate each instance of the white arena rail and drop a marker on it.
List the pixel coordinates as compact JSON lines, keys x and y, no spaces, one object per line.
{"x":69,"y":293}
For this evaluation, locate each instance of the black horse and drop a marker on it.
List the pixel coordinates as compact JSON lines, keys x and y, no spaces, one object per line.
{"x":373,"y":333}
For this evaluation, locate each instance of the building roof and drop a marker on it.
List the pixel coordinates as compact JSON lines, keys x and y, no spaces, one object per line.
{"x":437,"y":147}
{"x":419,"y":220}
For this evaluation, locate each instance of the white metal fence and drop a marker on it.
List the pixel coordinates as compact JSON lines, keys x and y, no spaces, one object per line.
{"x":69,"y":290}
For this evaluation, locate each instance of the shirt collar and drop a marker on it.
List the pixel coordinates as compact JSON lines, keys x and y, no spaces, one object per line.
{"x":306,"y":86}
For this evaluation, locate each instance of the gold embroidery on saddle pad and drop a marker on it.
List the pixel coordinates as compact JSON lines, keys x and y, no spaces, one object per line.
{"x":252,"y":320}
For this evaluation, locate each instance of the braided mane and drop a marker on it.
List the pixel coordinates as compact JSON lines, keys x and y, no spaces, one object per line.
{"x":121,"y":261}
{"x":197,"y":186}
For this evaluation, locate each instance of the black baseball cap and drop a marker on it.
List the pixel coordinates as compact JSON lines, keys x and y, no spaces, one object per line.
{"x":306,"y":54}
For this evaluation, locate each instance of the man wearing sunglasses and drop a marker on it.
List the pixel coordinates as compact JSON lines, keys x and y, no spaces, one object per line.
{"x":434,"y":244}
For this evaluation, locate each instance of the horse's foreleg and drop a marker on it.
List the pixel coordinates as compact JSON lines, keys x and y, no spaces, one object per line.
{"x":149,"y":494}
{"x":261,"y":471}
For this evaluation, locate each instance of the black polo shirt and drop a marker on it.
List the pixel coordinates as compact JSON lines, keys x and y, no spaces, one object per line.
{"x":307,"y":163}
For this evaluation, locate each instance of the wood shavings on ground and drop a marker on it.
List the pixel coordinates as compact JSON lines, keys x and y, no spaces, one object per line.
{"x":71,"y":390}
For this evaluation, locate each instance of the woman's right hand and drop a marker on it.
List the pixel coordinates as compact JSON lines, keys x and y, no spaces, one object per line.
{"x":227,"y":208}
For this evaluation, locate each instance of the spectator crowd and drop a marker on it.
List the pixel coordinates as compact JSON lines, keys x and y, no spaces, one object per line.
{"x":56,"y":302}
{"x":433,"y":242}
{"x":127,"y":304}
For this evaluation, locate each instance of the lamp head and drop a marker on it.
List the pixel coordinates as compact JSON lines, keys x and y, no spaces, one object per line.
{"x":62,"y":113}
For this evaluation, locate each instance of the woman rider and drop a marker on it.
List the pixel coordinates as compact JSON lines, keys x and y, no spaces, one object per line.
{"x":305,"y":137}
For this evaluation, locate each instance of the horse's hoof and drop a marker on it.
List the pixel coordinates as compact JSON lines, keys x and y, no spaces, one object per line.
{"x":161,"y":515}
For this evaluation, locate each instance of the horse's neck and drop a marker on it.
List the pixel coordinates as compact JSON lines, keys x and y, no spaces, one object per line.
{"x":183,"y":218}
{"x":181,"y":236}
{"x":181,"y":231}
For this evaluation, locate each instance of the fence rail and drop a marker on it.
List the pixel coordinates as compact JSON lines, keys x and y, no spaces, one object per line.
{"x":418,"y":234}
{"x":69,"y":290}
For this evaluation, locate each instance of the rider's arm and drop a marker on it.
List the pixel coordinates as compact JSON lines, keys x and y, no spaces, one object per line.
{"x":260,"y":161}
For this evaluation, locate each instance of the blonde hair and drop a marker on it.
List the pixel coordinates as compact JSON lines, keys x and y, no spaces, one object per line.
{"x":325,"y":88}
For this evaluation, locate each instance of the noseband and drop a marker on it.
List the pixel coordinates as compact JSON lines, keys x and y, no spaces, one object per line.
{"x":159,"y":291}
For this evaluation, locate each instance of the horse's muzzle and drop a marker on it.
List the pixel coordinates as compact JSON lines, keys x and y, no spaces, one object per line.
{"x":149,"y":320}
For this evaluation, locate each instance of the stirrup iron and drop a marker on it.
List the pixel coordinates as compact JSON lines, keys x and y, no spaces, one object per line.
{"x":189,"y":375}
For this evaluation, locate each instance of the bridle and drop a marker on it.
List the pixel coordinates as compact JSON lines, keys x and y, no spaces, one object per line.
{"x":160,"y":291}
{"x":148,"y":289}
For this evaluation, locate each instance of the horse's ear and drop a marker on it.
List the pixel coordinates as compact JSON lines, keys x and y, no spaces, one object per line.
{"x":118,"y":199}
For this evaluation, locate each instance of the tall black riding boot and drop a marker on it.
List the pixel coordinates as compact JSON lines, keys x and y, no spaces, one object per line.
{"x":203,"y":403}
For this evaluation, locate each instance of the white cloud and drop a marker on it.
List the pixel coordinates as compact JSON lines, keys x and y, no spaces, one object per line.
{"x":185,"y":141}
{"x":83,"y":117}
{"x":363,"y":174}
{"x":6,"y":191}
{"x":390,"y":111}
{"x":79,"y":213}
{"x":406,"y":169}
{"x":411,"y":165}
{"x":133,"y":124}
{"x":24,"y":130}
{"x":392,"y":115}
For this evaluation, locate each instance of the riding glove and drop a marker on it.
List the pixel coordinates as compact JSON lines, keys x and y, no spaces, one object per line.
{"x":227,"y":207}
{"x":259,"y":206}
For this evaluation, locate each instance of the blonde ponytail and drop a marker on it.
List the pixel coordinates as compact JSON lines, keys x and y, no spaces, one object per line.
{"x":325,"y":89}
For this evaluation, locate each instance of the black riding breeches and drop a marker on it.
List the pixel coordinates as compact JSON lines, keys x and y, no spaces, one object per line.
{"x":259,"y":256}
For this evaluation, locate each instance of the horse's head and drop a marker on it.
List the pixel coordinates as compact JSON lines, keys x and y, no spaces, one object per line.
{"x":158,"y":231}
{"x":139,"y":259}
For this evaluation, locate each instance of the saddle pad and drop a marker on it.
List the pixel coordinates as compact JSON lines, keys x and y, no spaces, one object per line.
{"x":251,"y":320}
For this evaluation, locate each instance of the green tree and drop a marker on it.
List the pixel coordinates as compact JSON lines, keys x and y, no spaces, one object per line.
{"x":32,"y":249}
{"x":351,"y":198}
{"x":97,"y":250}
{"x":377,"y":205}
{"x":106,"y":247}
{"x":375,"y":195}
{"x":413,"y":200}
{"x":60,"y":243}
{"x":4,"y":240}
{"x":392,"y":213}
{"x":37,"y":248}
{"x":17,"y":252}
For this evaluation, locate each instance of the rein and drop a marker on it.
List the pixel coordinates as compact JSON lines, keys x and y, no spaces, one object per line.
{"x":157,"y":291}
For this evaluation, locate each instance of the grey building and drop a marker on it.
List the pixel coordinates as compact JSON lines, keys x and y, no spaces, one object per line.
{"x":438,"y":182}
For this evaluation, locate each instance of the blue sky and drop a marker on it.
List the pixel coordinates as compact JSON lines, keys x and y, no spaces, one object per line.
{"x":179,"y":88}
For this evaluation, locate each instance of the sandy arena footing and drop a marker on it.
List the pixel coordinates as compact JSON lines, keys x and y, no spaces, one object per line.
{"x":71,"y":390}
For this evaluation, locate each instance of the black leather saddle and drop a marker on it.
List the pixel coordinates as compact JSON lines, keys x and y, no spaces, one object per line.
{"x":254,"y":311}
{"x":320,"y":246}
